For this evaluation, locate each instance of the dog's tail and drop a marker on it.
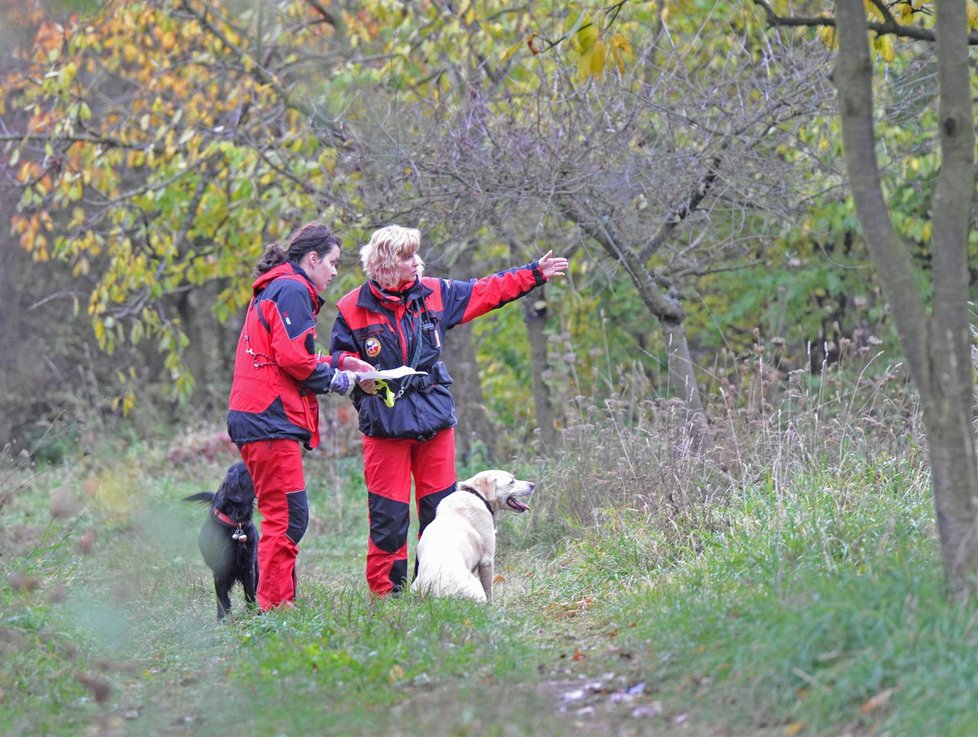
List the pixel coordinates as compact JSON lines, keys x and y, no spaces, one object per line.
{"x":207,"y":497}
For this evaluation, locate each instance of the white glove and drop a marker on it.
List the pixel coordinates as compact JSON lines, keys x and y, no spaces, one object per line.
{"x":342,"y":382}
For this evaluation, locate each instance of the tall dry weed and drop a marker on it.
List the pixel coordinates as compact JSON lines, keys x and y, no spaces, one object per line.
{"x":652,"y":461}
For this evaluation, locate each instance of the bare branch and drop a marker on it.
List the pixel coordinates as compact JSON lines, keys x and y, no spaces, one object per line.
{"x":889,"y":27}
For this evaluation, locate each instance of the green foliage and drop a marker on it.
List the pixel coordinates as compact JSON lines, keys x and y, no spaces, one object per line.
{"x":160,"y":154}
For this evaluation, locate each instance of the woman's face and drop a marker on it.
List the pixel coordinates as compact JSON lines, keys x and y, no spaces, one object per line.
{"x":408,"y":268}
{"x":321,"y":269}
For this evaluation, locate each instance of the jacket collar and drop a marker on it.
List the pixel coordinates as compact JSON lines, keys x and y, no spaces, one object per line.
{"x":375,"y":298}
{"x":292,"y":270}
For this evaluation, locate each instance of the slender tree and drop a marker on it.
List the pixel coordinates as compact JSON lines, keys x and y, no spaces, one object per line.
{"x":935,"y":337}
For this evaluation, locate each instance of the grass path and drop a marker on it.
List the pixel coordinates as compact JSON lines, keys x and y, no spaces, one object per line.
{"x":805,"y":615}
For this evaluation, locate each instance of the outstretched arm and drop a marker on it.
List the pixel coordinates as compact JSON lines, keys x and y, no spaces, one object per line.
{"x":466,"y":301}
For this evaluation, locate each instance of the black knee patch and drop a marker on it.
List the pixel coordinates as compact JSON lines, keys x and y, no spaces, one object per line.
{"x":428,"y":505}
{"x":298,"y":515}
{"x":388,"y":522}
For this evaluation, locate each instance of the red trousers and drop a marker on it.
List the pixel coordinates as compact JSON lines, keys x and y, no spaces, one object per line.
{"x":388,"y":465}
{"x":280,"y":486}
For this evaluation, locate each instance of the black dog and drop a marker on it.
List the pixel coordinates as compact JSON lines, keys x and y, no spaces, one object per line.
{"x":228,"y":539}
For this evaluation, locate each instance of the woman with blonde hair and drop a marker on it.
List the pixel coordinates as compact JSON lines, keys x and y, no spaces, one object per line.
{"x":399,"y":317}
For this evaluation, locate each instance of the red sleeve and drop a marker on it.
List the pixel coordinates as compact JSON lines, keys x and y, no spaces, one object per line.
{"x":466,"y":301}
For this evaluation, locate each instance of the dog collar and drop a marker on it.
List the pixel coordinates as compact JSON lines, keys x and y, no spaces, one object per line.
{"x":481,"y":498}
{"x":224,"y":518}
{"x":239,"y":535}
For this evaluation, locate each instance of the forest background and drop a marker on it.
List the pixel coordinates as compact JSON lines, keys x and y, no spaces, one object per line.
{"x":721,"y":333}
{"x":692,"y":176}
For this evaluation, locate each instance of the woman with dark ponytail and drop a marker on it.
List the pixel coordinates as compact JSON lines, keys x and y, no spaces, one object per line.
{"x":273,"y":407}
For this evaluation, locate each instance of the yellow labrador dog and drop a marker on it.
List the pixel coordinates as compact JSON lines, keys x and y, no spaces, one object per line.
{"x":457,"y":549}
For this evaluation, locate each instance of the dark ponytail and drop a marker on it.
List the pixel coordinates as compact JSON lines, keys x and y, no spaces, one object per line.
{"x":273,"y":256}
{"x":310,"y":237}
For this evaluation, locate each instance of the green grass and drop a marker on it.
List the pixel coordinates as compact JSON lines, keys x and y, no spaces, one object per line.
{"x":802,"y":598}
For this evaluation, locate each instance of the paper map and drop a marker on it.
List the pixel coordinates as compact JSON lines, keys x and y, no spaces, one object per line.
{"x":394,"y":373}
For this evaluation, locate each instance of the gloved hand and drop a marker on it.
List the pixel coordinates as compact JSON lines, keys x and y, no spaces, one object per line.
{"x":343,"y":382}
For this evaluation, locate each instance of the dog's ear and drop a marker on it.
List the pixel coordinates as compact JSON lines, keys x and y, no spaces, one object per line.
{"x":486,"y":485}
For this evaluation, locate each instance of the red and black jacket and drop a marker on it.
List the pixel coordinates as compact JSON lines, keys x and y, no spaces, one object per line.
{"x":277,"y":373}
{"x":407,"y":328}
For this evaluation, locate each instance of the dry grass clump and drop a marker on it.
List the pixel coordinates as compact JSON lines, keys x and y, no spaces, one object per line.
{"x":651,"y":461}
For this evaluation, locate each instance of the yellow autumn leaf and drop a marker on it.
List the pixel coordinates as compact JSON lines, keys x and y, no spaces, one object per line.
{"x":827,"y":34}
{"x":794,"y":728}
{"x":619,"y":41}
{"x":27,"y":170}
{"x":585,"y":38}
{"x":598,"y":57}
{"x":884,"y":47}
{"x":514,"y":48}
{"x":903,"y":12}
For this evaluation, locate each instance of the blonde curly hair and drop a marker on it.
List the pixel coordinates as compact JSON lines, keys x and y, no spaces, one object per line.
{"x":381,"y":258}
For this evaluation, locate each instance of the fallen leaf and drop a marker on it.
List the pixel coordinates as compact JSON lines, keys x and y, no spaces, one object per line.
{"x":877,"y":701}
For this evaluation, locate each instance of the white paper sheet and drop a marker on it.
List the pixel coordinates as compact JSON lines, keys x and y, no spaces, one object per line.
{"x":394,"y":373}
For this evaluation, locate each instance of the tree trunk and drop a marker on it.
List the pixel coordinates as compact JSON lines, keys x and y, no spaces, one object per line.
{"x":535,"y":318}
{"x":535,"y":315}
{"x":682,"y":377}
{"x":474,"y":427}
{"x":199,"y":347}
{"x":937,"y":347}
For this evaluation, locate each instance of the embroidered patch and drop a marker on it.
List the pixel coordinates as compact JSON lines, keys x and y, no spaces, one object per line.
{"x":372,"y":347}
